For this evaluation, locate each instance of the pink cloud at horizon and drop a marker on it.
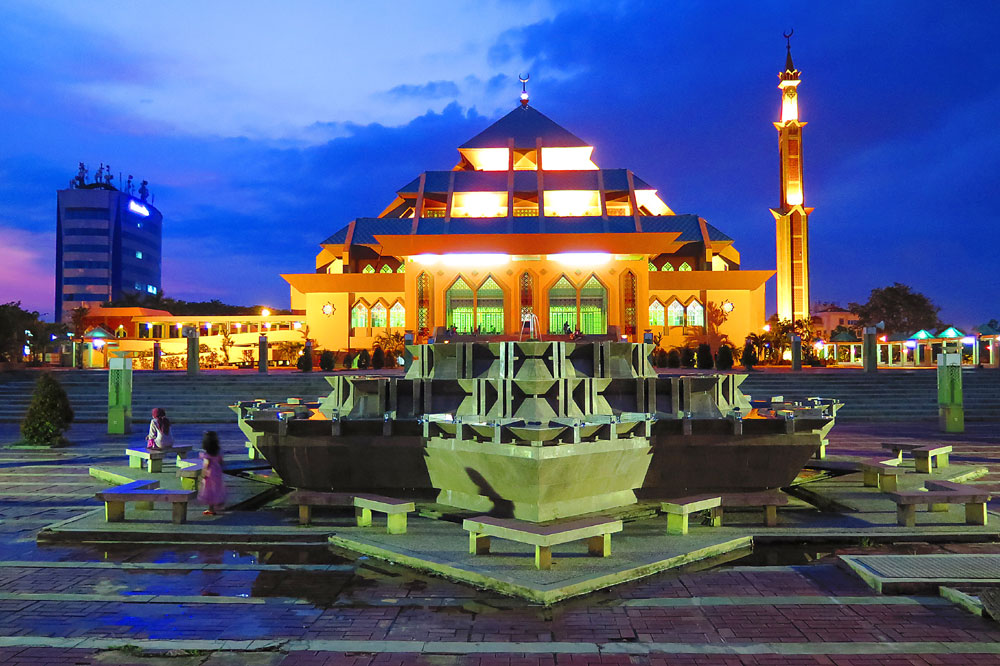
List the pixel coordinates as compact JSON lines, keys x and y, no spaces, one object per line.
{"x":26,"y":269}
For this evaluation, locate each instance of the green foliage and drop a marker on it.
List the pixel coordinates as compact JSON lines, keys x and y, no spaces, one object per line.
{"x":659,"y":358}
{"x":902,"y":309}
{"x":13,"y":323}
{"x":674,"y":359}
{"x":364,"y":359}
{"x":393,"y":346}
{"x":327,"y":361}
{"x":705,"y":361}
{"x":748,"y":358}
{"x":305,"y":362}
{"x":688,"y":358}
{"x":378,"y":359}
{"x":724,"y":359}
{"x":49,"y":414}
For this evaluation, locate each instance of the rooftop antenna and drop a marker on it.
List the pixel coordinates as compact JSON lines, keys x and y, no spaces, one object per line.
{"x":524,"y":88}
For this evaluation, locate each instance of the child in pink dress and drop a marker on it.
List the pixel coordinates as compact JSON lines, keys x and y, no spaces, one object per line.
{"x":211,"y":485}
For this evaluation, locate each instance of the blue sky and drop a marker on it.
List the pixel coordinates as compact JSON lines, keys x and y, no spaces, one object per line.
{"x":263,"y":131}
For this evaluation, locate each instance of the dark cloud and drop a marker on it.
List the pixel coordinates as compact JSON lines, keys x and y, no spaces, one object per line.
{"x":429,"y":90}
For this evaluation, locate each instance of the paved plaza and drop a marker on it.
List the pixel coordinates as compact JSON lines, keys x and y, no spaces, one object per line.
{"x":140,"y":603}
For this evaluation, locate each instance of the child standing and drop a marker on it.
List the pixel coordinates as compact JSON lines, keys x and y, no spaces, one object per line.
{"x":159,"y":436}
{"x":211,"y":486}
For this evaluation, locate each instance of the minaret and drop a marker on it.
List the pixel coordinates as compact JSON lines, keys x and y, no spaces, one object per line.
{"x":792,"y":218}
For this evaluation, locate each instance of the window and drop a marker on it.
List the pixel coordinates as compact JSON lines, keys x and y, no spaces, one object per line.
{"x":359,"y":316}
{"x":593,"y":307}
{"x":138,"y":254}
{"x":386,"y":268}
{"x":656,"y":313}
{"x":368,"y":269}
{"x":629,"y":301}
{"x":695,"y":314}
{"x":652,"y":267}
{"x":526,"y":285}
{"x":458,"y":306}
{"x":562,"y":306}
{"x":489,"y":308}
{"x":401,"y":269}
{"x":423,"y":303}
{"x":675,"y":314}
{"x":378,"y":315}
{"x":397,"y":315}
{"x":151,"y":289}
{"x":685,"y":267}
{"x":667,"y":267}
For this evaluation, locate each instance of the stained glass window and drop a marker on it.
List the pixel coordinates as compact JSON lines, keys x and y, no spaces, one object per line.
{"x":695,"y":314}
{"x":489,"y":308}
{"x":656,"y":313}
{"x":527,"y":289}
{"x":675,"y":314}
{"x":386,"y":268}
{"x":359,"y":316}
{"x":562,"y":306}
{"x":593,"y":307}
{"x":667,"y":267}
{"x":652,"y":267}
{"x":629,"y":298}
{"x":423,"y":303}
{"x":685,"y":267}
{"x":368,"y":269}
{"x":378,"y":315}
{"x":397,"y":315}
{"x":458,"y":306}
{"x":401,"y":269}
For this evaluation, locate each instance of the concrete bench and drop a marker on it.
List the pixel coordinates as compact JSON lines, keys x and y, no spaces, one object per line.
{"x":188,"y":472}
{"x":678,"y":510}
{"x":899,"y":448}
{"x":770,"y":501}
{"x":937,"y":496}
{"x":154,"y":457}
{"x":144,"y":494}
{"x":597,"y":532}
{"x":925,"y":457}
{"x":881,"y":475}
{"x":395,"y":511}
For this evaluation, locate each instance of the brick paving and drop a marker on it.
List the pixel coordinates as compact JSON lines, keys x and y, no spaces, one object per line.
{"x":73,"y":612}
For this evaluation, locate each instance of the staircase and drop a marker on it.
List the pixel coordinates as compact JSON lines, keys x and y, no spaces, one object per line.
{"x":202,"y":399}
{"x":890,"y":395}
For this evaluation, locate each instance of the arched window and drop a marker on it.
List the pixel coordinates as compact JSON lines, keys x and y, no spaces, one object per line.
{"x":527,"y":288}
{"x":368,"y":269}
{"x":667,"y":267}
{"x":593,"y":307}
{"x":489,"y":308}
{"x":397,"y":315}
{"x":652,"y":267}
{"x":359,"y":316}
{"x":562,"y":306}
{"x":386,"y":268}
{"x":675,"y":314}
{"x":458,"y":306}
{"x":423,"y":303}
{"x":685,"y":267}
{"x":378,"y":315}
{"x":401,"y":269}
{"x":656,"y":313}
{"x":628,"y":299}
{"x":695,"y":314}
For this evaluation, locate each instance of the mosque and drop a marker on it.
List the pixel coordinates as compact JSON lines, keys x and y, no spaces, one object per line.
{"x":527,"y":235}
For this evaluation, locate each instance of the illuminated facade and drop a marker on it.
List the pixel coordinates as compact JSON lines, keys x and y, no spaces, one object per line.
{"x":792,"y":217}
{"x":107,"y":246}
{"x":527,"y":224}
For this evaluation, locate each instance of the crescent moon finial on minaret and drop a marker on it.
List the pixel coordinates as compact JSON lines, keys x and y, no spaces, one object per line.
{"x":524,"y":88}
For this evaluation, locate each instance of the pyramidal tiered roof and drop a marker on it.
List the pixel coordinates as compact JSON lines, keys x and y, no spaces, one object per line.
{"x":525,"y":125}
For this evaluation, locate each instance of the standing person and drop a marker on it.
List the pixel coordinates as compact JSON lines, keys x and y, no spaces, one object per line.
{"x":159,"y":436}
{"x":211,"y":485}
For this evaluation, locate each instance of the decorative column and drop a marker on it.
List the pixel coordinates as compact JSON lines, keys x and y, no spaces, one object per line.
{"x":262,"y":355}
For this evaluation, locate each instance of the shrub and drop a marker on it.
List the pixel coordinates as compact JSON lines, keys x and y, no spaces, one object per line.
{"x":724,"y":359}
{"x":364,"y":359}
{"x":49,"y":414}
{"x":748,"y":358}
{"x":305,"y":362}
{"x":348,"y":360}
{"x":705,"y":361}
{"x":378,"y":359}
{"x":660,"y":358}
{"x":327,"y":361}
{"x":687,"y":357}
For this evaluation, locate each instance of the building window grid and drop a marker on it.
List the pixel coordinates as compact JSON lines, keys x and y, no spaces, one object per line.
{"x":656,"y":313}
{"x":593,"y":307}
{"x":397,"y":316}
{"x":359,"y":316}
{"x":695,"y":314}
{"x":423,"y":303}
{"x":562,"y":306}
{"x":459,"y":306}
{"x":630,"y":303}
{"x":379,"y":315}
{"x":489,"y":308}
{"x":675,"y":314}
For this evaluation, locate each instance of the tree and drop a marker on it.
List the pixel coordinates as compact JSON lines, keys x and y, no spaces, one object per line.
{"x":14,"y":326}
{"x":715,"y":317}
{"x":705,"y":357}
{"x":673,"y":359}
{"x":748,"y":358}
{"x":378,"y":359}
{"x":364,"y":359}
{"x":393,"y":345}
{"x":49,"y":414}
{"x":724,"y":359}
{"x":304,"y":362}
{"x":902,"y":309}
{"x":688,"y":358}
{"x":327,"y":361}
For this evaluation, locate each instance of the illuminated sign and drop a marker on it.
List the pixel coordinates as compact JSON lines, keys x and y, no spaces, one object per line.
{"x":138,"y":208}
